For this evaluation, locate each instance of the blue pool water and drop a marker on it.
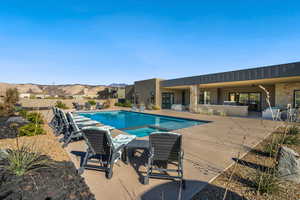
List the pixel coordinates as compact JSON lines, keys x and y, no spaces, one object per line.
{"x":140,"y":124}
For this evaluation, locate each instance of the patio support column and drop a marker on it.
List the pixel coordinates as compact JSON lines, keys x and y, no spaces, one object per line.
{"x":193,"y":98}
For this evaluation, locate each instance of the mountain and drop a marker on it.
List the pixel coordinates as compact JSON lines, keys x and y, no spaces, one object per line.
{"x":61,"y":90}
{"x":117,"y":85}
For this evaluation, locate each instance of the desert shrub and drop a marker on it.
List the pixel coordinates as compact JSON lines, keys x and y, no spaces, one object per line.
{"x":61,"y":105}
{"x":155,"y":107}
{"x":31,"y":129}
{"x":2,"y":110}
{"x":291,"y":140}
{"x":35,"y":117}
{"x":293,"y":130}
{"x":119,"y":104}
{"x":265,"y":182}
{"x":92,"y":102}
{"x":11,"y":97}
{"x":22,"y":160}
{"x":272,"y":148}
{"x":127,"y":104}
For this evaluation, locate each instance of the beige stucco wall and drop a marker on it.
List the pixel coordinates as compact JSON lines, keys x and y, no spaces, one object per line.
{"x":284,"y":93}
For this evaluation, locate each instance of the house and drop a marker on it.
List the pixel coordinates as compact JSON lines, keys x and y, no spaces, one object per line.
{"x":234,"y":92}
{"x":24,"y":95}
{"x":41,"y":96}
{"x":112,"y":93}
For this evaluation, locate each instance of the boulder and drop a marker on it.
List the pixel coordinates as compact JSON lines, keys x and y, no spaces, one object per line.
{"x":3,"y":154}
{"x":288,"y":164}
{"x":16,"y":120}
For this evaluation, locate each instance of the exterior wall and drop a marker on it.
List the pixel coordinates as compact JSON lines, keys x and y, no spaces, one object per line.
{"x":129,"y":93}
{"x":121,"y":93}
{"x":147,"y":89}
{"x":36,"y":103}
{"x":285,"y":93}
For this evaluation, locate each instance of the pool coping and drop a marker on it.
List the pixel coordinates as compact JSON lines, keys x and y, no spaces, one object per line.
{"x":149,"y":126}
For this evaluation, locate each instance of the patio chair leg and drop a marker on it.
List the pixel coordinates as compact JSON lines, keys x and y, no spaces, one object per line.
{"x":67,"y":141}
{"x":183,"y":182}
{"x":109,"y":172}
{"x":146,"y":178}
{"x":81,"y":169}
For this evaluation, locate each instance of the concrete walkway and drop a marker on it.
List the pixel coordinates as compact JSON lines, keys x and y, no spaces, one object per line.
{"x":208,"y":150}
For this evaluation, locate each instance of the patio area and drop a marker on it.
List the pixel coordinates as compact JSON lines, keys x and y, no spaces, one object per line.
{"x":208,"y":150}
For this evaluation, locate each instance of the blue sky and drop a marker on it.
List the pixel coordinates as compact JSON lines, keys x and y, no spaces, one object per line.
{"x":100,"y":42}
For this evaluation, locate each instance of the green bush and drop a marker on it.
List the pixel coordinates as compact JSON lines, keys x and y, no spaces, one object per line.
{"x":31,"y":129}
{"x":265,"y":182}
{"x":61,"y":105}
{"x":291,"y":140}
{"x":126,"y":104}
{"x":92,"y":102}
{"x":119,"y":104}
{"x":293,"y":130}
{"x":25,"y":159}
{"x":23,"y":113}
{"x":35,"y":117}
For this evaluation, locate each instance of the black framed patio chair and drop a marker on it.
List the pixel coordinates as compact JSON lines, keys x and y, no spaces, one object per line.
{"x":165,"y":148}
{"x":99,"y":106}
{"x":77,"y":106}
{"x":87,"y":106}
{"x":74,"y":129}
{"x":102,"y":147}
{"x":60,"y":123}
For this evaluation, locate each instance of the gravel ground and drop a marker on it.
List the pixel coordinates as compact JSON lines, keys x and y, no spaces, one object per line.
{"x":60,"y":182}
{"x":240,"y":186}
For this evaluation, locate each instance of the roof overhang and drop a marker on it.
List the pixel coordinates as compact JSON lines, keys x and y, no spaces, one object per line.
{"x":270,"y":81}
{"x":284,"y":71}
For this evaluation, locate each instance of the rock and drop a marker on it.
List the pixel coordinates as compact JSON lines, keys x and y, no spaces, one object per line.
{"x":16,"y":120}
{"x":288,"y":165}
{"x":3,"y":154}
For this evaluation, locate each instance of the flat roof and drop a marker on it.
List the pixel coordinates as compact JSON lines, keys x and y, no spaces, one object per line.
{"x":265,"y":72}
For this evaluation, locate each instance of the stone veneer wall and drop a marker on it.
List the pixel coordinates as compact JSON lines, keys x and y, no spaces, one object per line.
{"x":284,"y":93}
{"x":144,"y":88}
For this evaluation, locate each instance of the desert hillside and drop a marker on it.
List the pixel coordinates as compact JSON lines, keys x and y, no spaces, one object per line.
{"x":62,"y":90}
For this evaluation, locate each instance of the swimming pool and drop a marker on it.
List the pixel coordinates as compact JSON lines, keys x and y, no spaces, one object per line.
{"x":141,"y":124}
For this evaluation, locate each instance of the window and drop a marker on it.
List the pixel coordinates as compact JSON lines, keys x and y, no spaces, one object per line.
{"x":297,"y":98}
{"x":204,"y":97}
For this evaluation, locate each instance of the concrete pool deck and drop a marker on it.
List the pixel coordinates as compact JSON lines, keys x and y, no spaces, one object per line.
{"x":208,"y":150}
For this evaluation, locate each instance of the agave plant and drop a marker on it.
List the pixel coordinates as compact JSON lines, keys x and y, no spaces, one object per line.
{"x":25,"y":159}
